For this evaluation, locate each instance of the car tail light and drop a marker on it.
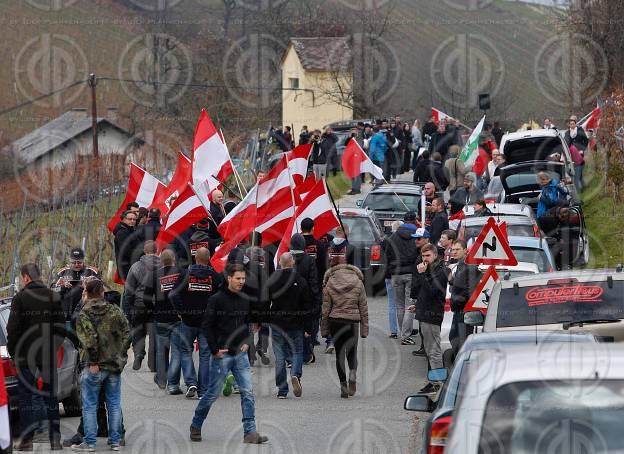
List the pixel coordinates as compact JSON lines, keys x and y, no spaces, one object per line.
{"x":490,"y":200}
{"x":439,"y":435}
{"x":571,"y":280}
{"x":574,"y":219}
{"x":447,"y":305}
{"x":375,"y":253}
{"x":8,"y":367}
{"x":60,"y":355}
{"x":536,"y":231}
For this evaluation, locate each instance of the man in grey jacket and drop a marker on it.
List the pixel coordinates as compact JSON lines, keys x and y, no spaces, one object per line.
{"x":140,"y":292}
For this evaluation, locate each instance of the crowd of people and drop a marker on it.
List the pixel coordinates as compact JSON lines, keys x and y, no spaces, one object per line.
{"x":175,"y":298}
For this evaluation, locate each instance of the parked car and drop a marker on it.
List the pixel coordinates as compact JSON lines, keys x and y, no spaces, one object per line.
{"x":586,"y":301}
{"x":502,"y":209}
{"x":534,"y":399}
{"x":504,"y":272}
{"x":536,"y":145}
{"x":520,"y":186}
{"x":470,"y":356}
{"x":366,"y":236}
{"x":68,"y":387}
{"x":391,"y":201}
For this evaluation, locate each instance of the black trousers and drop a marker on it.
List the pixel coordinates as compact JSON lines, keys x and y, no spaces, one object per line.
{"x":345,"y":336}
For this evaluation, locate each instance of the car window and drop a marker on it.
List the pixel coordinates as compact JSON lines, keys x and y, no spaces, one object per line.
{"x":512,"y":230}
{"x":529,"y":254}
{"x":389,"y":202}
{"x":4,"y":319}
{"x":518,"y":180}
{"x":532,"y":149}
{"x":560,"y":303}
{"x":360,"y":229}
{"x":554,"y":416}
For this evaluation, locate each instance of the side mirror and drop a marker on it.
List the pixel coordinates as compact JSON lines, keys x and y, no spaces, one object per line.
{"x":438,"y":374}
{"x":359,"y":202}
{"x":474,"y":318}
{"x":419,"y":402}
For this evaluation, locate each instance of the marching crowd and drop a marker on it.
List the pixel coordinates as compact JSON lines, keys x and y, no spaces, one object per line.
{"x":177,"y":299}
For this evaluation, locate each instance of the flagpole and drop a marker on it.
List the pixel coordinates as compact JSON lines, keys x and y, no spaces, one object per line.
{"x":331,"y":197}
{"x":205,"y":207}
{"x":238,"y":196}
{"x":237,"y":177}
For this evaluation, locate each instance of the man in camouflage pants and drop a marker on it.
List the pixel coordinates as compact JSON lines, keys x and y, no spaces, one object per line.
{"x":104,"y":337}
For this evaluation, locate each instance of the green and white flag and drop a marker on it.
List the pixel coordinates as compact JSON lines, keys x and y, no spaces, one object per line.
{"x":471,"y":150}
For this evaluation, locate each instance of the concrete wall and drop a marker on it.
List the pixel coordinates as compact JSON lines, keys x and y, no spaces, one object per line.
{"x":301,"y":107}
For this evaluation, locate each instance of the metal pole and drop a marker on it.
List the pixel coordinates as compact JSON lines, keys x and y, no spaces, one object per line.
{"x":335,"y":208}
{"x":92,"y":83}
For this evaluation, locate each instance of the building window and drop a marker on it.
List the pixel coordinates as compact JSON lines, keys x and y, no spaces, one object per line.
{"x":293,"y":82}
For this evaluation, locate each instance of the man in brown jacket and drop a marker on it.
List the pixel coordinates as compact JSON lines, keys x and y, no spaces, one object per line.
{"x":344,"y":308}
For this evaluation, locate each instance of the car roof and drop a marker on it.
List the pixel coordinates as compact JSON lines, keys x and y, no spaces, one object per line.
{"x":526,"y":241}
{"x":507,"y":209}
{"x":532,"y":133}
{"x":405,"y":188}
{"x":355,"y":212}
{"x":510,"y":219}
{"x":579,"y":275}
{"x":484,"y":341}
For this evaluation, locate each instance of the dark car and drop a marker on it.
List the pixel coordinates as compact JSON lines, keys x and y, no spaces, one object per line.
{"x":391,"y":201}
{"x":68,"y":369}
{"x":520,"y":185}
{"x":435,"y":430}
{"x":366,"y":236}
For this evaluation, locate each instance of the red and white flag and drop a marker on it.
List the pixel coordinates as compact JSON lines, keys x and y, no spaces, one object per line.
{"x":591,"y":121}
{"x":298,"y":163}
{"x":5,"y":427}
{"x":439,"y":116}
{"x":317,"y":206}
{"x":302,"y":189}
{"x":211,"y":160}
{"x":143,"y":189}
{"x":355,"y":162}
{"x":180,"y":180}
{"x":185,"y":211}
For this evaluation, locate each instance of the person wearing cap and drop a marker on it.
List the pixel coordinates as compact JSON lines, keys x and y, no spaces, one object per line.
{"x":429,"y":292}
{"x":468,"y":194}
{"x":306,"y":268}
{"x":72,"y":274}
{"x":401,"y":254}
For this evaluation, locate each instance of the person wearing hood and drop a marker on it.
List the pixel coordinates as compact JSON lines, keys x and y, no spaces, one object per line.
{"x":140,"y":292}
{"x":189,"y":297}
{"x":429,"y":292}
{"x":401,"y":254}
{"x":104,"y":337}
{"x":552,"y":194}
{"x":306,"y":268}
{"x":345,"y":312}
{"x":291,"y":315}
{"x":202,"y":237}
{"x":339,"y":246}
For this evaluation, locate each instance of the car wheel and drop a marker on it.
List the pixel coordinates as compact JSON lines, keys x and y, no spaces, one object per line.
{"x":447,"y":358}
{"x":73,"y":403}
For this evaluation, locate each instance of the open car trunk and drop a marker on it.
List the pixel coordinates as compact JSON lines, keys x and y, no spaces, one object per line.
{"x":520,"y":180}
{"x":528,"y":149}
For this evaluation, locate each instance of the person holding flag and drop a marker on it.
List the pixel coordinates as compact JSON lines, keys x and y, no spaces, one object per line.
{"x":355,"y":162}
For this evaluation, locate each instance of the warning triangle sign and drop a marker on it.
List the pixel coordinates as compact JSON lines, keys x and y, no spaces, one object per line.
{"x":480,"y":298}
{"x":491,"y":247}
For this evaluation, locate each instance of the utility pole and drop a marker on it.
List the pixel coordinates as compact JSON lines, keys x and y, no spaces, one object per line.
{"x":92,"y":83}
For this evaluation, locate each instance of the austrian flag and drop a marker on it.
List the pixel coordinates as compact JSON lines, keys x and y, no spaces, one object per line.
{"x":355,"y":162}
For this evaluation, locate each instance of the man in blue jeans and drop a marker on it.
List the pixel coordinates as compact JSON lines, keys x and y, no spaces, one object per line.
{"x":104,"y":337}
{"x":291,"y":315}
{"x":226,"y":326}
{"x":190,"y":296}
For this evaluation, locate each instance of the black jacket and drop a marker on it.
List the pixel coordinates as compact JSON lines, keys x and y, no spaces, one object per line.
{"x":401,"y":251}
{"x":292,"y":306}
{"x":148,"y":231}
{"x":580,"y":141}
{"x":258,"y":270}
{"x":126,"y":248}
{"x":163,"y":311}
{"x":441,"y":142}
{"x":344,"y":250}
{"x":217,"y":213}
{"x":439,"y":223}
{"x":429,"y":291}
{"x":463,"y":284}
{"x":36,"y":317}
{"x":318,"y":252}
{"x":319,"y":155}
{"x":306,"y":268}
{"x":191,"y":292}
{"x":226,"y":324}
{"x":429,"y":129}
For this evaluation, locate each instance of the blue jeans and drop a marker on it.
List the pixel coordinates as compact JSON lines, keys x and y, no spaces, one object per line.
{"x":287,"y":345}
{"x":90,"y":385}
{"x":175,"y":362}
{"x":164,"y":332}
{"x":578,"y":176}
{"x":188,"y":334}
{"x":392,"y":317}
{"x":239,"y":366}
{"x":29,"y":411}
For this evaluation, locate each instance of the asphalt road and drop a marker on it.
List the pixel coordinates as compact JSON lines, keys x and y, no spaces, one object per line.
{"x":319,"y":422}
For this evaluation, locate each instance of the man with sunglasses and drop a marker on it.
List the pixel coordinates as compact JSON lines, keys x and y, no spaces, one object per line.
{"x":73,"y":273}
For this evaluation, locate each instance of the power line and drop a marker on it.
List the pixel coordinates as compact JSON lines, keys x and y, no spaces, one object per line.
{"x":39,"y":98}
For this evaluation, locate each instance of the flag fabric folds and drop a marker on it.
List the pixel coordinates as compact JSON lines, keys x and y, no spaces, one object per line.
{"x":355,"y":162}
{"x":471,"y":150}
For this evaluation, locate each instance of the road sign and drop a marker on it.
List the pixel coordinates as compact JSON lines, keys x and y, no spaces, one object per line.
{"x":491,"y":247}
{"x":480,"y":298}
